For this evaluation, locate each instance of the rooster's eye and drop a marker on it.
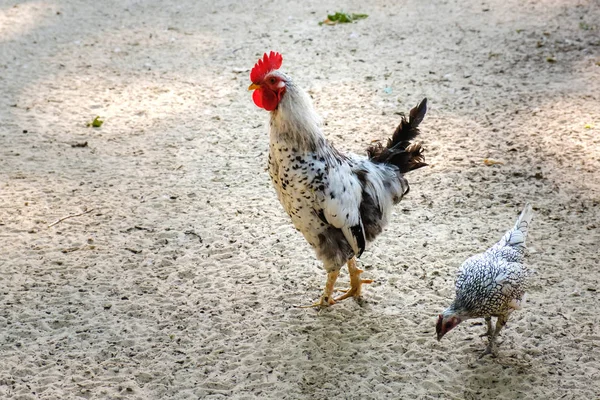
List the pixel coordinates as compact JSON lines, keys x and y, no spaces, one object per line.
{"x":272,"y":80}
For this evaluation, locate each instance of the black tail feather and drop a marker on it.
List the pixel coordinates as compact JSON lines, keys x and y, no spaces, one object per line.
{"x":399,"y":150}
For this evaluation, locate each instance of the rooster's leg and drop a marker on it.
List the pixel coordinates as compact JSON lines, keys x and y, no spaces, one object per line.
{"x":355,"y":281}
{"x":327,"y":298}
{"x":491,"y":347}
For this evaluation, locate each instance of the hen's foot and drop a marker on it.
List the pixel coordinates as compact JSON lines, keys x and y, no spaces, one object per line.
{"x":489,"y":350}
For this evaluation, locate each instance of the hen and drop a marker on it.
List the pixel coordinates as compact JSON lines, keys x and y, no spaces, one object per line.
{"x":491,"y":284}
{"x":340,"y":202}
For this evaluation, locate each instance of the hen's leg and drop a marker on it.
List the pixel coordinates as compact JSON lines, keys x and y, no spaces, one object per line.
{"x":355,"y":281}
{"x":488,"y":321}
{"x":490,"y":349}
{"x":327,"y":297}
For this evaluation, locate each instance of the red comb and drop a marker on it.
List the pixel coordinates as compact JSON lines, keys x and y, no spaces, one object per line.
{"x":268,"y":63}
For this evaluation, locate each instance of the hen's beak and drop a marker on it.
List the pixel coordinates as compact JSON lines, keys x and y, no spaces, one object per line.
{"x":254,"y":86}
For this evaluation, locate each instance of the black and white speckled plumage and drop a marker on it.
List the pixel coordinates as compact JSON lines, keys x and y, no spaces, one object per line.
{"x":489,"y":285}
{"x":339,"y":202}
{"x":494,"y":283}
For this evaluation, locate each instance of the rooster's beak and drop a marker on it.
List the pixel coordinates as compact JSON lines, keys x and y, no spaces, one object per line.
{"x":254,"y":86}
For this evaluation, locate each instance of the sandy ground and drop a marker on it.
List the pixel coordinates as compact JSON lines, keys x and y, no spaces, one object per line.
{"x":182,"y":279}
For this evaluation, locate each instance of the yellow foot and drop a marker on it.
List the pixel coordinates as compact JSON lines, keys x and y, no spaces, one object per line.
{"x":355,"y":284}
{"x":327,"y":297}
{"x":322,"y":303}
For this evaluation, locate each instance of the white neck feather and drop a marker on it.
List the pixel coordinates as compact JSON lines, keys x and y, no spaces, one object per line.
{"x":295,"y":120}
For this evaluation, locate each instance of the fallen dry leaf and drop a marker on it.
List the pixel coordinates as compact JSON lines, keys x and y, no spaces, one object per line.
{"x":489,"y":162}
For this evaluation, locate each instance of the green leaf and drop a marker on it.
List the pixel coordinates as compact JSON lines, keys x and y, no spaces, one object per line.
{"x":96,"y":123}
{"x":342,"y":18}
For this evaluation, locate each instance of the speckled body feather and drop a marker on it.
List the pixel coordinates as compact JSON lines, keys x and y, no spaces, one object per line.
{"x":490,"y":285}
{"x":339,"y":202}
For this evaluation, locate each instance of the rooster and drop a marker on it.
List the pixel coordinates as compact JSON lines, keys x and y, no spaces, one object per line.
{"x":491,"y":284}
{"x":339,"y":202}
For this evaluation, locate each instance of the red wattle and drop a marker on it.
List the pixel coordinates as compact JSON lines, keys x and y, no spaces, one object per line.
{"x":257,"y":97}
{"x":265,"y":98}
{"x":269,"y":100}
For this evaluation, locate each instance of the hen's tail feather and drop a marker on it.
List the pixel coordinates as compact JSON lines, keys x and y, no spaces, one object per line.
{"x":399,"y":150}
{"x":522,"y":224}
{"x":517,"y":236}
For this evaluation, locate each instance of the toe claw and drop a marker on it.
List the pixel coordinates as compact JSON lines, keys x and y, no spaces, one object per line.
{"x":321,"y":304}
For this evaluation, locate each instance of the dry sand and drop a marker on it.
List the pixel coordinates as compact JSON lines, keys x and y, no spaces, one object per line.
{"x":182,"y":281}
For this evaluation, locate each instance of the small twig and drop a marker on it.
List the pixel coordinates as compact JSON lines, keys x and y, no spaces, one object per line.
{"x":69,"y":216}
{"x":70,"y":250}
{"x":190,"y":232}
{"x":139,"y":228}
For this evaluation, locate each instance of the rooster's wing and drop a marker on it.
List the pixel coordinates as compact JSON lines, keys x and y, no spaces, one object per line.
{"x":341,"y":206}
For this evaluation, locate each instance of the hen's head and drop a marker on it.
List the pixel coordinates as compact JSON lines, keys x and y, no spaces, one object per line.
{"x":446,"y":322}
{"x":268,"y":84}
